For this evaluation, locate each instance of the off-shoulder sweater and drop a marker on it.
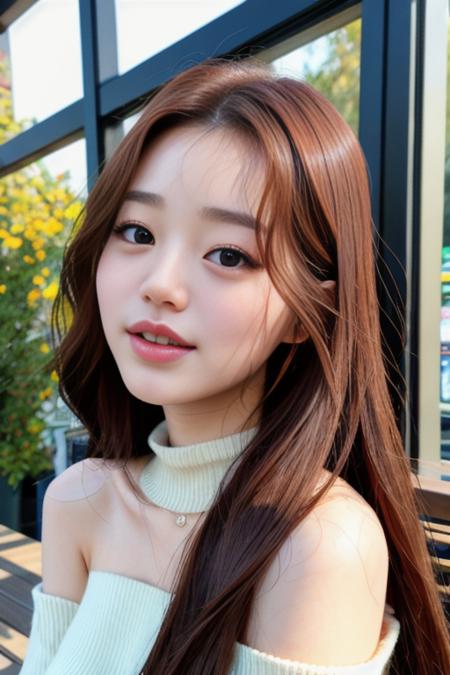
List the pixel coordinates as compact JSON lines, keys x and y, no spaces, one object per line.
{"x":112,"y":630}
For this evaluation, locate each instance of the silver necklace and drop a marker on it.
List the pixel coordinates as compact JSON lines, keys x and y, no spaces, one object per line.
{"x":180,"y":518}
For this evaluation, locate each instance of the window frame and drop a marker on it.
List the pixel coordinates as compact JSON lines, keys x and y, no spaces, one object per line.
{"x":389,"y":112}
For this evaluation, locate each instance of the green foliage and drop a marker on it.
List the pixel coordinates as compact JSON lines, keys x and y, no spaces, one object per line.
{"x":337,"y":78}
{"x":36,"y":213}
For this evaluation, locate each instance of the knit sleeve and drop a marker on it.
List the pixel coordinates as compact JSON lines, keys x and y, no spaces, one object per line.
{"x":249,"y":661}
{"x":52,"y":616}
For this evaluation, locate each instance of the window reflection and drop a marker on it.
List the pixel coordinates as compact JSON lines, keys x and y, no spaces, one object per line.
{"x":331,"y":64}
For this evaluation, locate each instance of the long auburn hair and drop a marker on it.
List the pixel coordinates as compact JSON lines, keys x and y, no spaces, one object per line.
{"x":326,"y":402}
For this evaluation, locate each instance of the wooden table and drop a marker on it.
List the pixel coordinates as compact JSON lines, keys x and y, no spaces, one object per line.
{"x":20,"y":570}
{"x":433,"y":485}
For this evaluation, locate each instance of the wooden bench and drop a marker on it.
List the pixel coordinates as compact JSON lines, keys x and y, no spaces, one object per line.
{"x":433,"y":486}
{"x":20,"y":570}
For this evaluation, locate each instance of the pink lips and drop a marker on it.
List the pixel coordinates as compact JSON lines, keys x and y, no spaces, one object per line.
{"x":157,"y":329}
{"x":152,"y":351}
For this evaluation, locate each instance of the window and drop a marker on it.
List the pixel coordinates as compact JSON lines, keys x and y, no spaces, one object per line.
{"x":328,"y":58}
{"x":146,"y":27}
{"x":40,"y":61}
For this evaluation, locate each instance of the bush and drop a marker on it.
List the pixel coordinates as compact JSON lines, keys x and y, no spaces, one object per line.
{"x":36,"y":212}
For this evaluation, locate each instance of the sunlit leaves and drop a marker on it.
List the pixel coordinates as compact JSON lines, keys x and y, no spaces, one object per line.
{"x":37,"y":211}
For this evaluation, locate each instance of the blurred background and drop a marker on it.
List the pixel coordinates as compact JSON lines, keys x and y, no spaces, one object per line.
{"x":74,"y":75}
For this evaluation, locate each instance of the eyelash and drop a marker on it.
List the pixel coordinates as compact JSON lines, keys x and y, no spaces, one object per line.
{"x":248,"y":262}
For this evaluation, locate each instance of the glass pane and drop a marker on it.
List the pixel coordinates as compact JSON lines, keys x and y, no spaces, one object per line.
{"x":116,"y":131}
{"x":146,"y":27}
{"x":40,"y":62}
{"x":70,"y":161}
{"x":38,"y":206}
{"x":331,"y":63}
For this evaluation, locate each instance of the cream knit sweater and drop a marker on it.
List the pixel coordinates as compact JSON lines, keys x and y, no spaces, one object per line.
{"x":112,"y":630}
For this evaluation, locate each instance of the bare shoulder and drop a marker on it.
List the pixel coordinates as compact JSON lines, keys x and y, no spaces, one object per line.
{"x":342,"y":525}
{"x":348,"y":504}
{"x":323,"y":601}
{"x":74,"y":502}
{"x":79,"y":481}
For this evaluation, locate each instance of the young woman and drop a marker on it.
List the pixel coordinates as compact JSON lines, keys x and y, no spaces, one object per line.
{"x":246,"y":506}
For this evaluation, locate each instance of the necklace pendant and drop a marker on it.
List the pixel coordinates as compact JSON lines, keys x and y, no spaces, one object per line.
{"x":180,"y":520}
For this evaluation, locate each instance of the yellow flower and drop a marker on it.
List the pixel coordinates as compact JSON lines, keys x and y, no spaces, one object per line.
{"x":13,"y":242}
{"x":51,"y":291}
{"x":4,"y":211}
{"x":73,"y":210}
{"x":37,"y":181}
{"x":34,"y":428}
{"x":3,"y":288}
{"x":38,"y":243}
{"x":3,"y":233}
{"x":45,"y":271}
{"x":54,"y":376}
{"x":45,"y":393}
{"x":33,"y":296}
{"x":54,"y":226}
{"x":38,"y":280}
{"x":60,"y":194}
{"x":41,"y":255}
{"x":44,"y":348}
{"x":28,"y":259}
{"x":17,"y":229}
{"x":38,"y":223}
{"x":30,"y":233}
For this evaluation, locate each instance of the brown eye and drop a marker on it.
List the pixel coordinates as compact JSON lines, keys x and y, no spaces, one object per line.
{"x":230,"y":257}
{"x":140,"y":236}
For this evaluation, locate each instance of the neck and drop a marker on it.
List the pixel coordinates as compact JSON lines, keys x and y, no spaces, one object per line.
{"x":218,"y":415}
{"x":186,"y":478}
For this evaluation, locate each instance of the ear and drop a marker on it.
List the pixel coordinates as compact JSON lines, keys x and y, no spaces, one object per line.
{"x":329,"y":283}
{"x":297,"y":333}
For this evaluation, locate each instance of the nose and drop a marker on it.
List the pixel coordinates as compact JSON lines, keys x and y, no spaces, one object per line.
{"x":164,"y":281}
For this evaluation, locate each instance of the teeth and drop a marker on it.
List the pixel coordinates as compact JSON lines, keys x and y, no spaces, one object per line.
{"x":160,"y":339}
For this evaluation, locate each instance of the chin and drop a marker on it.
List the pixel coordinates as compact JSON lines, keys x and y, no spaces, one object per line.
{"x":151,"y":394}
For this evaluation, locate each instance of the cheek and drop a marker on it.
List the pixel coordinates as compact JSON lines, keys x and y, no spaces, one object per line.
{"x":248,"y":321}
{"x":229,"y":309}
{"x":110,"y":287}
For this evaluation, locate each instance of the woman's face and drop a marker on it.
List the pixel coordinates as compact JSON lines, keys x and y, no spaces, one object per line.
{"x":172,"y":266}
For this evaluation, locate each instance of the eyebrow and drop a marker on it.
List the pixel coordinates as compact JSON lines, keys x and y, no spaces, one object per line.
{"x":210,"y":212}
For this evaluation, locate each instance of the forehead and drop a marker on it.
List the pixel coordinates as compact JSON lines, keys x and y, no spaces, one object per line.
{"x":217,"y":166}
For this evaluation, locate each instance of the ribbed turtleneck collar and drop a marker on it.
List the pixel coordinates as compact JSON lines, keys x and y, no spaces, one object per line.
{"x":186,"y":478}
